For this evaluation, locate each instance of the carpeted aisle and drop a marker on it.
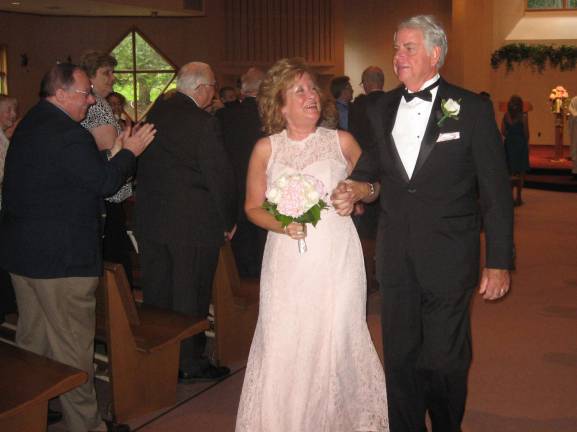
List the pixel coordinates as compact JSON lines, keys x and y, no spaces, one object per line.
{"x":524,"y":375}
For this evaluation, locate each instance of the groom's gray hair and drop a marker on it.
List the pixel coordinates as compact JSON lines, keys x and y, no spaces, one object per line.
{"x":433,"y":33}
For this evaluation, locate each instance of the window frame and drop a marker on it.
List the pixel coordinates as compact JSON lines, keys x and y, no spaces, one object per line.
{"x":134,"y":71}
{"x":3,"y":69}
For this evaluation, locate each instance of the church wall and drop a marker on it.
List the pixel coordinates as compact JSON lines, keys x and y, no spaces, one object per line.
{"x":535,"y":87}
{"x":475,"y":29}
{"x":482,"y":27}
{"x":233,"y":35}
{"x":45,"y":40}
{"x":369,"y":27}
{"x":361,"y":32}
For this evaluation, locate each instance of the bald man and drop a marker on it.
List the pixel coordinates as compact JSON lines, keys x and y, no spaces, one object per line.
{"x":185,"y":208}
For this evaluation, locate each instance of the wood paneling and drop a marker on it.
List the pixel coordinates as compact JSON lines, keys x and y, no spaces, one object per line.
{"x":263,"y":31}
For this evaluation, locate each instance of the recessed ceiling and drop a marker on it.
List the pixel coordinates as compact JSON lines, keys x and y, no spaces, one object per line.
{"x":174,"y":8}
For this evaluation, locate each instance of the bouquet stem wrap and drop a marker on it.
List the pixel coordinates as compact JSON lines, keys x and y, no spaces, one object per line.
{"x":302,"y":246}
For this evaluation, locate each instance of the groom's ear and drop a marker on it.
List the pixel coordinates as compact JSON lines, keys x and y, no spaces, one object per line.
{"x":435,"y":55}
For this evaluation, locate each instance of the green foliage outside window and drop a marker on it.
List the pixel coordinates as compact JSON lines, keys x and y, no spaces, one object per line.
{"x":544,"y":4}
{"x":3,"y":67}
{"x":551,"y":4}
{"x":142,"y":74}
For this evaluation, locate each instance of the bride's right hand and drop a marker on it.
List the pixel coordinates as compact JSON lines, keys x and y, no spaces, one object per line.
{"x":296,"y":231}
{"x":342,"y":199}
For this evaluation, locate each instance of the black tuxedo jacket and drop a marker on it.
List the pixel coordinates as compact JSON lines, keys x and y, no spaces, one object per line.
{"x":241,"y":129}
{"x":433,"y":218}
{"x":54,"y":185}
{"x":359,"y":124}
{"x":185,"y":183}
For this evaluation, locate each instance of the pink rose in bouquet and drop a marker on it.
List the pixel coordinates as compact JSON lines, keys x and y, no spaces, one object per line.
{"x":296,"y":198}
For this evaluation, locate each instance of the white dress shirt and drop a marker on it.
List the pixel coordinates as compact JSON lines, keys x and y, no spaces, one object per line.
{"x":410,"y":126}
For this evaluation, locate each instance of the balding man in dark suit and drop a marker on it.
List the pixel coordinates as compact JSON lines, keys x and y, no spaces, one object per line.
{"x":242,"y":128}
{"x":185,"y":207}
{"x":373,"y":79}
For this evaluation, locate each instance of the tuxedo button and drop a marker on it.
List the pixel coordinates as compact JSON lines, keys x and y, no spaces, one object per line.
{"x":411,"y":190}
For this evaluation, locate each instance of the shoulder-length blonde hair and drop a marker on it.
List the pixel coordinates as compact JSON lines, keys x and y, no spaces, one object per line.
{"x":272,"y":91}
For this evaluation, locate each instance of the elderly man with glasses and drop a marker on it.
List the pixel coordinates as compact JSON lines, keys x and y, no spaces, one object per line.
{"x":51,"y":225}
{"x":185,"y":208}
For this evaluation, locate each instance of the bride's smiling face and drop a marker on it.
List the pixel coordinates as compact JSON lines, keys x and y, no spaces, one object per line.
{"x":302,"y":102}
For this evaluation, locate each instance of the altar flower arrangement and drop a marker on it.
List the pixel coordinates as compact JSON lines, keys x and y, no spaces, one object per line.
{"x":296,"y":198}
{"x":451,"y":109}
{"x":558,"y":99}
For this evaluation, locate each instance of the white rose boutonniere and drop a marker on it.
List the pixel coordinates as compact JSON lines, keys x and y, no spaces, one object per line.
{"x":451,"y":109}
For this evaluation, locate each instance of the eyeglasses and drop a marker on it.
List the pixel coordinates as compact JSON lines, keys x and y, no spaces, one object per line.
{"x":85,"y":93}
{"x":210,"y":84}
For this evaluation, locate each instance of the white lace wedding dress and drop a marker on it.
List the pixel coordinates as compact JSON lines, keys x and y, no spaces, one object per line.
{"x":312,"y":365}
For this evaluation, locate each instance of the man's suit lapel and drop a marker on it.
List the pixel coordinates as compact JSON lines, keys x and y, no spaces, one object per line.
{"x":432,"y":132}
{"x":388,"y":124}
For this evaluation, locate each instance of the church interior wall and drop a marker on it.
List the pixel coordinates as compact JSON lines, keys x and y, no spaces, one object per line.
{"x":362,"y":33}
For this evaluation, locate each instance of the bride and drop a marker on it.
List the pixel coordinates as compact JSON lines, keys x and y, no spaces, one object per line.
{"x":312,"y":365}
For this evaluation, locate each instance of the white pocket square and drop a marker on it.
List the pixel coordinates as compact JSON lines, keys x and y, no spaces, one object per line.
{"x":448,"y":136}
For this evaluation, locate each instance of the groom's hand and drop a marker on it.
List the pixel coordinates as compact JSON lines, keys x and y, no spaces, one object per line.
{"x":495,"y":283}
{"x":343,"y":199}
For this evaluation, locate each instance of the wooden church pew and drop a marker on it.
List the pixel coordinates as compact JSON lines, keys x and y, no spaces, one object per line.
{"x":27,"y":382}
{"x":143,"y":347}
{"x":235,"y":303}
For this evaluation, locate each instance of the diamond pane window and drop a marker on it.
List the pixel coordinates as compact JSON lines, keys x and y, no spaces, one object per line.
{"x":142,"y":73}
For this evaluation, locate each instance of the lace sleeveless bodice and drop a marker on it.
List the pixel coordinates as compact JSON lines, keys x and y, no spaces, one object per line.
{"x":321,"y":147}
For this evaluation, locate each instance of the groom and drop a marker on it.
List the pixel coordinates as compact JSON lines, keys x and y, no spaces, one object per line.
{"x":442,"y":171}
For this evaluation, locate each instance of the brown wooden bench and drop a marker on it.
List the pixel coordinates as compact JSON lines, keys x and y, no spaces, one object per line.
{"x":27,"y":382}
{"x":143,"y":345}
{"x":235,"y":302}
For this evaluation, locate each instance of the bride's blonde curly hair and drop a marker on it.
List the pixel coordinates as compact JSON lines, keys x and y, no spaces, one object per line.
{"x":271,"y":95}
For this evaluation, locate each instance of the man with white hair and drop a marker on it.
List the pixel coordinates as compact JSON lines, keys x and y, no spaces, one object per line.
{"x":242,"y":128}
{"x":185,"y":208}
{"x":441,"y":167}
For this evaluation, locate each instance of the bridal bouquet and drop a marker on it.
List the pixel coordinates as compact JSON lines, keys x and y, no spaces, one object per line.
{"x":558,"y":98}
{"x":296,"y":198}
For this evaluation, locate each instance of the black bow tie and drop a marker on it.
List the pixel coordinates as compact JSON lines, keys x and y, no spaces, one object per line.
{"x":424,"y":94}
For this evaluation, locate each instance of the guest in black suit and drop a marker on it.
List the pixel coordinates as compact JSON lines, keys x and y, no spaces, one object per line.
{"x":440,"y":161}
{"x":51,"y":228}
{"x":185,"y":208}
{"x":372,"y":80}
{"x":366,"y":216}
{"x":8,"y":116}
{"x":227,"y":95}
{"x":342,"y":92}
{"x":242,"y":128}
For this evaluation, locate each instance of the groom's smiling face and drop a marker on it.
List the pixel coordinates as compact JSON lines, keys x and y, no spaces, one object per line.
{"x":412,"y":62}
